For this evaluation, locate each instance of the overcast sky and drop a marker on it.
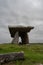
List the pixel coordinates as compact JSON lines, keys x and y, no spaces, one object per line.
{"x":21,"y":12}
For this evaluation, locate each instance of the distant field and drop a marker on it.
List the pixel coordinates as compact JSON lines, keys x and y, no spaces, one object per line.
{"x":33,"y":53}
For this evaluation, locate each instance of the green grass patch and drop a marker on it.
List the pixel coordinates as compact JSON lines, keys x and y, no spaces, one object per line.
{"x":33,"y":53}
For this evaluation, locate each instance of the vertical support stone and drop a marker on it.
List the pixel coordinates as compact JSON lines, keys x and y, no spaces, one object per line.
{"x":24,"y":38}
{"x":16,"y":38}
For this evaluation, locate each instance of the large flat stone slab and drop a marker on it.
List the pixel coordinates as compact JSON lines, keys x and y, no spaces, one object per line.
{"x":14,"y":29}
{"x":11,"y":56}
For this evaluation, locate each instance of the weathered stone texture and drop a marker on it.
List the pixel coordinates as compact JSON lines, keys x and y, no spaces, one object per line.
{"x":16,"y":38}
{"x":11,"y":56}
{"x":20,"y":31}
{"x":24,"y":38}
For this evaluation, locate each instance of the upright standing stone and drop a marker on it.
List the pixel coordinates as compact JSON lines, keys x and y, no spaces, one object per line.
{"x":16,"y":38}
{"x":24,"y":38}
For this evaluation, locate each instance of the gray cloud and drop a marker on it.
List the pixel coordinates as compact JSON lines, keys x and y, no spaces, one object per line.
{"x":21,"y":12}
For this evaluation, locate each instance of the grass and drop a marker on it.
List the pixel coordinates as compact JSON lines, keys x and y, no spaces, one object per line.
{"x":33,"y":53}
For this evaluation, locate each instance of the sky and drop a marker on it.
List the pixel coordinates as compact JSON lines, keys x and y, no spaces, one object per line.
{"x":21,"y":12}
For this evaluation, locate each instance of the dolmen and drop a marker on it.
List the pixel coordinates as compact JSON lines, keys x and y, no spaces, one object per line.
{"x":20,"y":31}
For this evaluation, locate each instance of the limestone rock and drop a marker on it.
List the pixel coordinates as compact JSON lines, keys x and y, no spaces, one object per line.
{"x":11,"y":56}
{"x":22,"y":32}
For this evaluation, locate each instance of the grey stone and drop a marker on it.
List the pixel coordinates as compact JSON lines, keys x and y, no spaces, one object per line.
{"x":16,"y":38}
{"x":20,"y":31}
{"x":11,"y":56}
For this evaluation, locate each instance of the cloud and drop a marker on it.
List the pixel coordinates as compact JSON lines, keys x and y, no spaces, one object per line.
{"x":21,"y":12}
